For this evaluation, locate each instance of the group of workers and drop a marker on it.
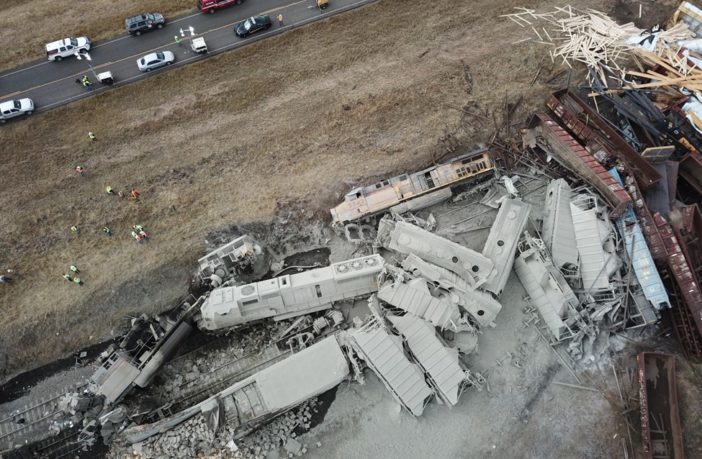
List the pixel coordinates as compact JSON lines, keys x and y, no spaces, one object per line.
{"x":105,"y":229}
{"x":132,"y":196}
{"x":138,"y":232}
{"x":75,"y":279}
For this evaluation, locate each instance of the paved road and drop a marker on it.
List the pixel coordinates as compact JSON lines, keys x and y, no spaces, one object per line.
{"x":52,"y":84}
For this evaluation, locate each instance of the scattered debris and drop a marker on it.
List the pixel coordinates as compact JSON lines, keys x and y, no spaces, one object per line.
{"x":148,"y":345}
{"x":243,"y":259}
{"x":265,"y":394}
{"x":597,"y":214}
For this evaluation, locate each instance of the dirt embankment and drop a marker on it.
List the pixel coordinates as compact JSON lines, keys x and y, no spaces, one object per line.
{"x":293,"y":120}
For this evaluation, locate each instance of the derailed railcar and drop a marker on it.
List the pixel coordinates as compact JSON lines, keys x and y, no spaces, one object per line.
{"x":414,"y":191}
{"x":661,"y":430}
{"x":290,"y":295}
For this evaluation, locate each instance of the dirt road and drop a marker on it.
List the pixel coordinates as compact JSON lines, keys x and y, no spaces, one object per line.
{"x":290,"y":122}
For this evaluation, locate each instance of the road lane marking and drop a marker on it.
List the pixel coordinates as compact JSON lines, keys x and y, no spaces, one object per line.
{"x":26,"y":68}
{"x":273,"y":10}
{"x":179,"y":63}
{"x":143,"y":53}
{"x":114,"y":40}
{"x":129,"y":36}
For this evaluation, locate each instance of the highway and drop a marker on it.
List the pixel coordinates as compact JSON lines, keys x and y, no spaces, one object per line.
{"x":52,"y":84}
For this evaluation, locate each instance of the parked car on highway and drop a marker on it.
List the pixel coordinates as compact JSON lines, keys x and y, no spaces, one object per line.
{"x":198,"y":45}
{"x":155,"y":60}
{"x":13,"y":108}
{"x":136,"y":25}
{"x":57,"y":50}
{"x":252,"y":25}
{"x":210,"y":6}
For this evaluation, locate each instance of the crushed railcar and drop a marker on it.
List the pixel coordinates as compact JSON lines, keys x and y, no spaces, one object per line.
{"x":661,"y":430}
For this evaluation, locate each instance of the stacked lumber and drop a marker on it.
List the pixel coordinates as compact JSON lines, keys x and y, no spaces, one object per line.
{"x":670,"y":70}
{"x":589,"y":37}
{"x":594,"y":39}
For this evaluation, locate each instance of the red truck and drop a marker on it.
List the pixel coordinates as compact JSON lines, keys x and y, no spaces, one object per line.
{"x":210,"y":6}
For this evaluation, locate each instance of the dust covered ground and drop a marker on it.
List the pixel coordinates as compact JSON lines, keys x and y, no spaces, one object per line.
{"x":290,"y":122}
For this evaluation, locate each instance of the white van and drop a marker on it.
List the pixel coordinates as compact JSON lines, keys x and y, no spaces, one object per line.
{"x":57,"y":50}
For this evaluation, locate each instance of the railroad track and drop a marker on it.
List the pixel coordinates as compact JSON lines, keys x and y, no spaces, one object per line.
{"x":227,"y":374}
{"x":59,"y":446}
{"x":218,"y":380}
{"x":31,"y":422}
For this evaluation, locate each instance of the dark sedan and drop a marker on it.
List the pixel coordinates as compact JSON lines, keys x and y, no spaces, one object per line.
{"x":252,"y":25}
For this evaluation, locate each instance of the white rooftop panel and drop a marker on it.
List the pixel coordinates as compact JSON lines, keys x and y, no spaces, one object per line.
{"x":305,"y":374}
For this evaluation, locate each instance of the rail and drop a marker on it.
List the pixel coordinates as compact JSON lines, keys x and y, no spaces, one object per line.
{"x":32,"y":420}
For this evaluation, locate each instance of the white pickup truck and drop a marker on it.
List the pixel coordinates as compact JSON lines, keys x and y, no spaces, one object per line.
{"x":57,"y":50}
{"x":13,"y":108}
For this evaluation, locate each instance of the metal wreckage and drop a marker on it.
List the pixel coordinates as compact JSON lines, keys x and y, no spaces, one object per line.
{"x":597,"y":215}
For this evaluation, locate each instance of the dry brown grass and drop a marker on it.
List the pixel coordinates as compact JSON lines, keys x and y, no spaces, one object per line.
{"x":27,"y":26}
{"x":285,"y":121}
